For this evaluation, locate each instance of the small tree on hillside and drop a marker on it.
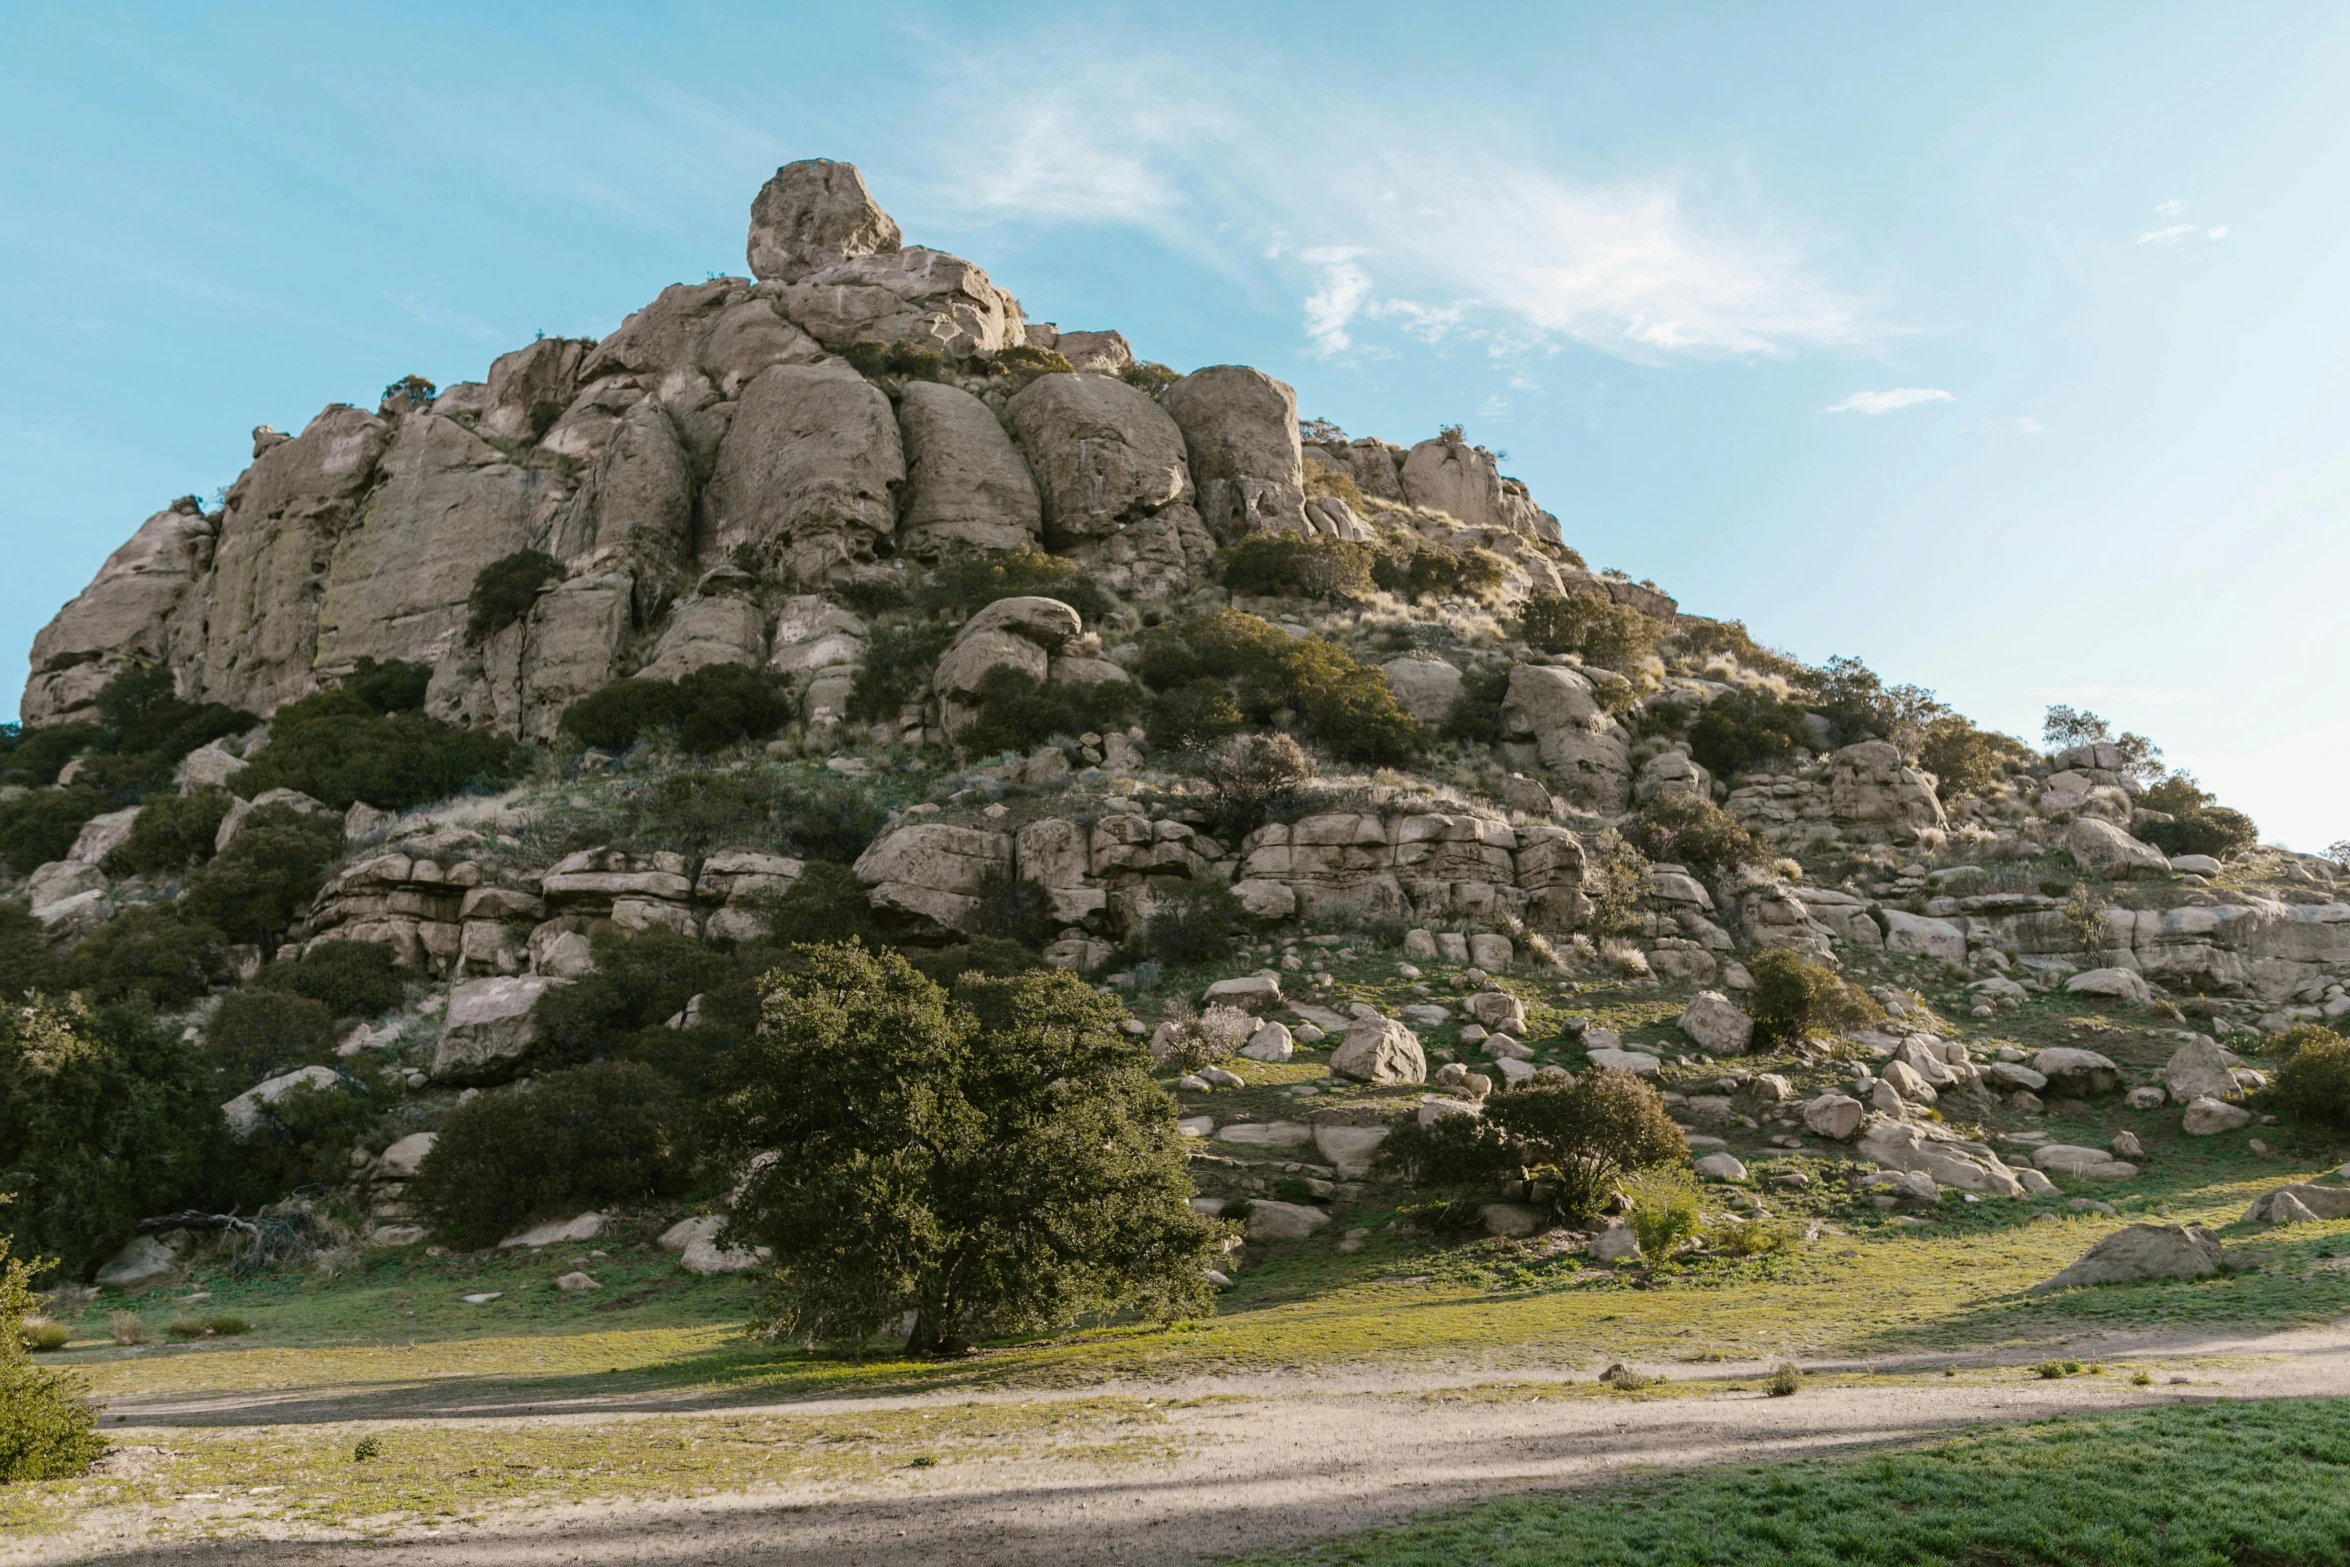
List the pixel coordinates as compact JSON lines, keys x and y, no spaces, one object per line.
{"x":47,"y":1429}
{"x":995,"y":1163}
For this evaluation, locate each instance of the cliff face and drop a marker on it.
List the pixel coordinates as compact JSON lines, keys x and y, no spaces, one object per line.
{"x":854,"y":409}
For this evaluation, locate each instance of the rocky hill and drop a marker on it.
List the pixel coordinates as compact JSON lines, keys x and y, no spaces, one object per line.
{"x":1022,"y":630}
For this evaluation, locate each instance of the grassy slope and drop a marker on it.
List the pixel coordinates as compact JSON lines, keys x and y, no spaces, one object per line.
{"x":2228,"y":1483}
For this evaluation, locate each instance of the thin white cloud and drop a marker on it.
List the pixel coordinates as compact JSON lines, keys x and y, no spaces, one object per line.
{"x":2169,"y":209}
{"x":427,"y":311}
{"x":1892,"y":400}
{"x":1450,"y":235}
{"x":2020,"y":424}
{"x":1333,"y":305}
{"x":2175,"y":233}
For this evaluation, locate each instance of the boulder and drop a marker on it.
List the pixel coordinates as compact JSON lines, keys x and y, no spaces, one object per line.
{"x":929,"y":301}
{"x":210,"y":766}
{"x":715,"y":627}
{"x":1721,"y":1167}
{"x":558,"y":1232}
{"x":1019,"y":634}
{"x":1240,"y":433}
{"x":2195,"y":865}
{"x":2208,"y":1117}
{"x":1616,"y":1243}
{"x":2093,"y":1164}
{"x":142,"y":608}
{"x":1920,"y":936}
{"x":2121,"y":983}
{"x":1350,"y":1150}
{"x":1266,"y":899}
{"x":1553,"y":708}
{"x":1834,"y":1116}
{"x":1716,"y":1024}
{"x":403,"y":1159}
{"x":635,"y":513}
{"x":1426,"y":688}
{"x":101,"y":836}
{"x":2008,"y":1076}
{"x":807,"y":474}
{"x":1106,"y":352}
{"x":2143,"y":1251}
{"x":1908,"y":1082}
{"x":967,"y":486}
{"x":1514,"y":1221}
{"x":928,"y":875}
{"x":813,"y":634}
{"x":1250,"y":992}
{"x":141,"y":1264}
{"x":1672,"y":774}
{"x":814,"y":213}
{"x":1498,"y":1010}
{"x":694,"y":1242}
{"x":1266,"y":1134}
{"x":1271,"y":1042}
{"x":1492,"y":952}
{"x":243,"y":1113}
{"x":1282,"y":1221}
{"x":2077,"y":1074}
{"x":1638,"y":1062}
{"x":488,"y":1030}
{"x":1116,"y":490}
{"x":1969,"y":1166}
{"x":2104,"y":850}
{"x":2200,"y":1069}
{"x":2300,"y":1204}
{"x":1381,"y":1052}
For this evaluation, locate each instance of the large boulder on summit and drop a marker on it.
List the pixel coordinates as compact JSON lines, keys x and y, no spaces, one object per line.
{"x":1014,"y":633}
{"x":1111,"y":472}
{"x":2143,"y":1251}
{"x":449,"y":504}
{"x":967,"y":486}
{"x":284,"y":516}
{"x":1451,"y":476}
{"x":928,"y":876}
{"x":806,"y":478}
{"x":527,"y":390}
{"x":1240,"y":430}
{"x":135,"y":611}
{"x":813,"y":213}
{"x":1554,"y":709}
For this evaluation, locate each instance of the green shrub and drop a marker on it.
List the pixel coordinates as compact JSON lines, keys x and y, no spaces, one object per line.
{"x":1012,"y":908}
{"x":173,"y":833}
{"x":1475,"y":718}
{"x":43,"y":825}
{"x":393,"y":687}
{"x":504,"y":590}
{"x":336,"y":749}
{"x":1967,"y":760}
{"x":257,"y":1034}
{"x":1296,"y":565}
{"x":43,"y":1337}
{"x":1703,"y":639}
{"x":826,"y":904}
{"x":1196,"y":928}
{"x":1742,"y":732}
{"x":1664,"y":1209}
{"x":153,"y":951}
{"x":351,"y":979}
{"x":2215,"y":830}
{"x":996,"y":1164}
{"x":1583,"y":1137}
{"x":639,"y":983}
{"x":1794,"y":998}
{"x":26,"y":963}
{"x":1611,"y":635}
{"x":1860,"y":706}
{"x":693,"y":813}
{"x":2313,"y":1075}
{"x":1258,"y":670}
{"x":963,"y":585}
{"x":304,"y":1138}
{"x":1616,"y":882}
{"x":983,"y":957}
{"x":34,"y":757}
{"x":609,"y":1132}
{"x":1018,"y":712}
{"x":48,"y":1430}
{"x":267,"y":877}
{"x":1021,"y":359}
{"x":1411,"y":568}
{"x":895,"y":670}
{"x":1251,"y":775}
{"x":897,"y":359}
{"x":710,"y":709}
{"x":1684,"y":830}
{"x":1149,"y":376}
{"x":104,"y":1117}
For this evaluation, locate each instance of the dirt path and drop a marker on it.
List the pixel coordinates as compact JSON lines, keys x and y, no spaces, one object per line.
{"x":1262,"y":1461}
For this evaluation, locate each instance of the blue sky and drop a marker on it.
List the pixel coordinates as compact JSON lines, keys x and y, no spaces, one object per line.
{"x":2004,"y":346}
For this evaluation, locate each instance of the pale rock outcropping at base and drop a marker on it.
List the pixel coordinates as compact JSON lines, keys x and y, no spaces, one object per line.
{"x":929,"y":875}
{"x":1426,"y":688}
{"x":142,"y":1263}
{"x":2143,"y":1251}
{"x":1554,"y":711}
{"x":1716,"y":1024}
{"x":558,"y":1232}
{"x":1950,"y":1160}
{"x":2120,"y":983}
{"x":1282,"y":1221}
{"x":489,"y":1029}
{"x":694,"y":1242}
{"x":244,"y":1112}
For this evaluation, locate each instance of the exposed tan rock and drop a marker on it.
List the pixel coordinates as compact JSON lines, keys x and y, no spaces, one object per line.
{"x":1240,"y":434}
{"x":1014,"y":633}
{"x":635,"y":510}
{"x":967,"y":486}
{"x":528,"y":389}
{"x":720,"y":624}
{"x":1427,"y":688}
{"x":807,"y":474}
{"x":1110,"y":468}
{"x":135,"y":611}
{"x":813,"y":212}
{"x":1555,"y":710}
{"x":928,"y":875}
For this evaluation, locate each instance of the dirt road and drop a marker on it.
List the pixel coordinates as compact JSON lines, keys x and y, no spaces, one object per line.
{"x":1258,"y":1461}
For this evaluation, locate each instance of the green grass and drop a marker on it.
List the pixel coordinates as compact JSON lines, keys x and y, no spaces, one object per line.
{"x":2228,"y":1483}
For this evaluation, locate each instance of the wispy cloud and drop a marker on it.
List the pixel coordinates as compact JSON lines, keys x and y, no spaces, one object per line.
{"x":2020,"y":424}
{"x":427,"y":311}
{"x":2176,"y":233}
{"x":1436,"y":230}
{"x":1892,"y":400}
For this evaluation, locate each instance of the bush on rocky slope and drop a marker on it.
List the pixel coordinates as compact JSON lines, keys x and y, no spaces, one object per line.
{"x":151,"y":951}
{"x":961,"y":586}
{"x":714,"y":707}
{"x":1232,"y":662}
{"x":2313,"y":1074}
{"x":504,"y":590}
{"x":1292,"y":565}
{"x":1743,"y":731}
{"x":337,"y":748}
{"x":1794,"y":998}
{"x":1682,"y":829}
{"x":173,"y":833}
{"x":2199,"y":823}
{"x":1018,"y":712}
{"x":48,"y":1430}
{"x":259,"y":1033}
{"x":1603,"y":632}
{"x":608,"y":1132}
{"x":265,"y":879}
{"x":351,"y":979}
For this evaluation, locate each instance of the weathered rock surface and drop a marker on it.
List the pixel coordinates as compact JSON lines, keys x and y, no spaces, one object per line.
{"x":2102,"y":849}
{"x":136,"y":611}
{"x":967,"y":486}
{"x":1950,"y":1160}
{"x":1379,"y":1051}
{"x":1426,"y":688}
{"x":1555,"y":710}
{"x":813,"y":213}
{"x":2143,"y":1251}
{"x":1716,"y":1024}
{"x":806,"y":478}
{"x":1116,"y":489}
{"x":1240,"y":433}
{"x":488,"y":1031}
{"x":927,"y":876}
{"x":244,"y":1112}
